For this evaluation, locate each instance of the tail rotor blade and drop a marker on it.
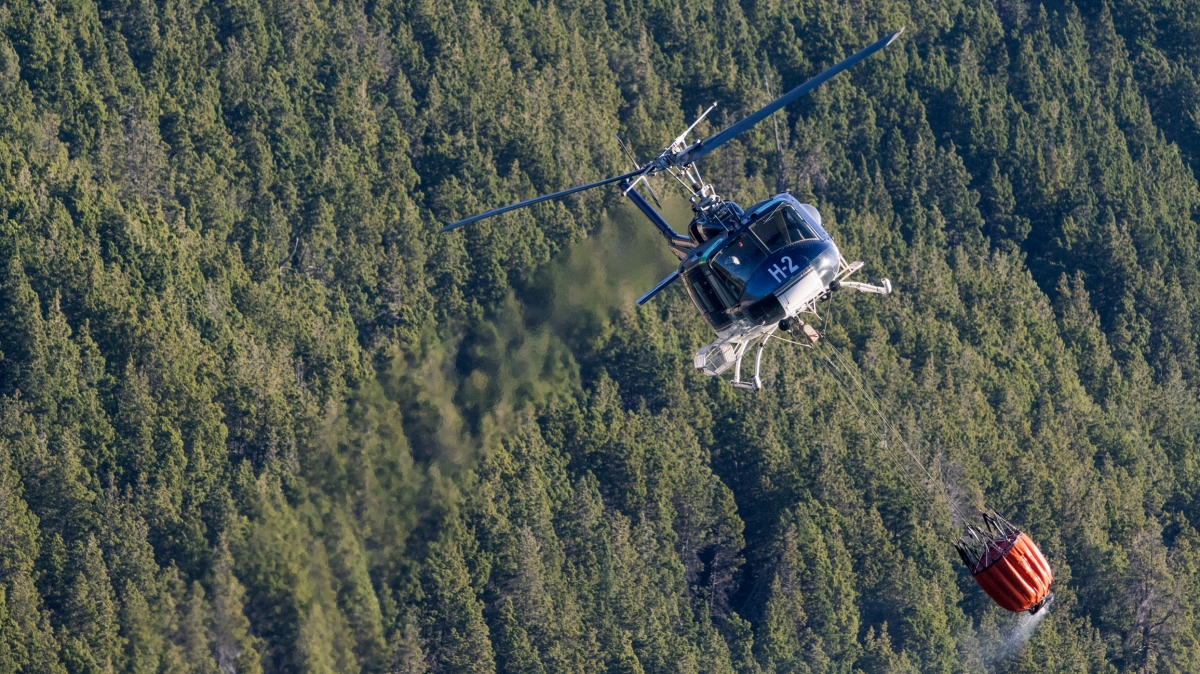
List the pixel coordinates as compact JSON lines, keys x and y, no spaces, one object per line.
{"x":653,"y":195}
{"x":658,"y":287}
{"x":633,"y":160}
{"x":701,"y":148}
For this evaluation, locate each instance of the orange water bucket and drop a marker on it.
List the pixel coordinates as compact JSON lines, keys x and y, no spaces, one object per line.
{"x":1014,"y":573}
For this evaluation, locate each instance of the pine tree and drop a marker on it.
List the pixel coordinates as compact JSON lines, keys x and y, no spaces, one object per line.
{"x":455,"y":634}
{"x":513,"y":650}
{"x":233,"y":646}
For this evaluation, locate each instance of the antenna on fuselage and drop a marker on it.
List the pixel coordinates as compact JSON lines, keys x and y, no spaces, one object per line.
{"x":781,"y":170}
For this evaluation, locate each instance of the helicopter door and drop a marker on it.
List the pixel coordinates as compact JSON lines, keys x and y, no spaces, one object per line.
{"x":706,"y":298}
{"x":737,"y":261}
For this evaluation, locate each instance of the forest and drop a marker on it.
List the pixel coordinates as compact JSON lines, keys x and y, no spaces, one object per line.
{"x":259,"y":416}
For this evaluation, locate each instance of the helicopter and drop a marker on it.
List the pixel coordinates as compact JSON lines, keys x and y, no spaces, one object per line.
{"x":748,"y":272}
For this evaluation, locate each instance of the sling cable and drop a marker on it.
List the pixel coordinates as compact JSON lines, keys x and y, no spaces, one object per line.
{"x":1002,"y":559}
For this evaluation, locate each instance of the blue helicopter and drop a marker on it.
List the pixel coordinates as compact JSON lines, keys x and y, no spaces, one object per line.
{"x":749,"y":272}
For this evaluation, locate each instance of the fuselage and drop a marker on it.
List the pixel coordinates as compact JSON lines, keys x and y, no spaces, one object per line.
{"x":766,"y":264}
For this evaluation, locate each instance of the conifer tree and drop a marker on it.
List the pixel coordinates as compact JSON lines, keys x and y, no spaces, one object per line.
{"x":455,"y":634}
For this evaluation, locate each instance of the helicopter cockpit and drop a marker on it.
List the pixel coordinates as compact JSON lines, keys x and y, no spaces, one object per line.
{"x":780,"y":227}
{"x":733,"y":272}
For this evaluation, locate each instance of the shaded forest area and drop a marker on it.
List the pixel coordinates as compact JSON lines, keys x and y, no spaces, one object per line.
{"x":258,"y":416}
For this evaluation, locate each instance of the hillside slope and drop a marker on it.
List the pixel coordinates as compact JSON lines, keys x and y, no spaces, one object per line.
{"x":259,"y":416}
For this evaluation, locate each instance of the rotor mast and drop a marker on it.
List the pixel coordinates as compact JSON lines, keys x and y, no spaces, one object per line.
{"x":702,"y":195}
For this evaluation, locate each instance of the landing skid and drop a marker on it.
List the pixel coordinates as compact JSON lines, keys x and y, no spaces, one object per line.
{"x":729,"y":351}
{"x":756,"y":383}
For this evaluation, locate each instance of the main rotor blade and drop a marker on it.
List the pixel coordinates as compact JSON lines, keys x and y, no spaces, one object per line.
{"x":538,"y":200}
{"x":707,"y":145}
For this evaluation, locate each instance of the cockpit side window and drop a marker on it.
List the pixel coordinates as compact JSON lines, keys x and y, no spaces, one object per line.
{"x":772,"y":230}
{"x":738,"y":260}
{"x":798,"y":229}
{"x":782,"y":227}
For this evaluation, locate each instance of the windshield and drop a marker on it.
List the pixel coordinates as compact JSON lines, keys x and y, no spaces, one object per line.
{"x":782,"y":227}
{"x":738,"y":260}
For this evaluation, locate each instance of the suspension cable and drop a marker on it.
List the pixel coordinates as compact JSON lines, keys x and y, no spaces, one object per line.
{"x":875,"y":404}
{"x":901,"y":466}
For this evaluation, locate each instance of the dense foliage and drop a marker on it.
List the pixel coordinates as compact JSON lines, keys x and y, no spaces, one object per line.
{"x":258,"y":416}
